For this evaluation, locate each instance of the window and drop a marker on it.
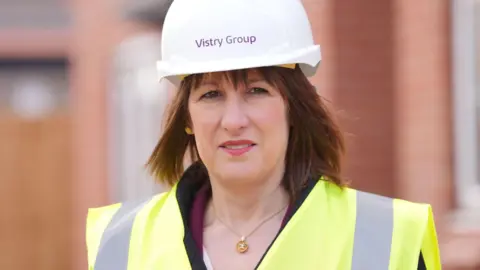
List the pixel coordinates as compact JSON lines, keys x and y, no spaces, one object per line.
{"x":33,"y":88}
{"x":466,"y":103}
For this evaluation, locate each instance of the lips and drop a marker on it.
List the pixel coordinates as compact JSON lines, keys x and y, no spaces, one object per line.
{"x":237,"y":144}
{"x":237,"y":148}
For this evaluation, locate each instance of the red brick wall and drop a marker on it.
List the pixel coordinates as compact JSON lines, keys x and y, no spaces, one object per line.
{"x":357,"y":75}
{"x":423,"y":98}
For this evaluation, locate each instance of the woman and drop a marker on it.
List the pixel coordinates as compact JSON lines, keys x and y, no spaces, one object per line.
{"x":264,"y":190}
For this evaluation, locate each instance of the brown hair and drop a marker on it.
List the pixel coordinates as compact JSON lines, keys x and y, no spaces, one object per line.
{"x":315,"y":145}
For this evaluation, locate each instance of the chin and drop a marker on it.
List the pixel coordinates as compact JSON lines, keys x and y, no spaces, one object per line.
{"x":238,"y":172}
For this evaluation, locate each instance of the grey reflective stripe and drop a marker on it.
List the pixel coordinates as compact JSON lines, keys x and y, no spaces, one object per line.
{"x":373,"y":232}
{"x":115,"y":243}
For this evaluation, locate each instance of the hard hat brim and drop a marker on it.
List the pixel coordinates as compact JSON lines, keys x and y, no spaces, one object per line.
{"x":307,"y":58}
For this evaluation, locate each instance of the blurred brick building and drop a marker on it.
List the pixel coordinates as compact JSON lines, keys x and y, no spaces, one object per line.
{"x":401,"y":76}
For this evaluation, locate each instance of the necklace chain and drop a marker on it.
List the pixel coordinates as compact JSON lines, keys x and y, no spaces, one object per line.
{"x":242,"y":245}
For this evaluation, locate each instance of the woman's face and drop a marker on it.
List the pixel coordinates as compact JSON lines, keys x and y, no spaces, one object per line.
{"x":241,"y":132}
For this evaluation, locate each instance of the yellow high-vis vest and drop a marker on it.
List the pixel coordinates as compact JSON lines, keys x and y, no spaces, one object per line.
{"x":333,"y":229}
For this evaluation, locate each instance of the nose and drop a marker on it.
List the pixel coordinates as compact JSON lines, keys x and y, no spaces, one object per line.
{"x":234,"y":118}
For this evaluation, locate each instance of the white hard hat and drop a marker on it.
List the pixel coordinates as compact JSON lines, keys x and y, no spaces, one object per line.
{"x":202,"y":36}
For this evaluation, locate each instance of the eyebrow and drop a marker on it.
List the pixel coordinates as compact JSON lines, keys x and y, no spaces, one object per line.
{"x":200,"y":85}
{"x":257,"y":80}
{"x":205,"y":82}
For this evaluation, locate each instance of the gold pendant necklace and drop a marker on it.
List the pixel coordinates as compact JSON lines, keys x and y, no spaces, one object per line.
{"x":242,"y":245}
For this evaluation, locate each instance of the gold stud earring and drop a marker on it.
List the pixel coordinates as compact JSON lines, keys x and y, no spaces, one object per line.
{"x":188,"y":131}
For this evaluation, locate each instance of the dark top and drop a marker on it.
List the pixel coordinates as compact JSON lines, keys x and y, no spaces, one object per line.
{"x":193,"y":194}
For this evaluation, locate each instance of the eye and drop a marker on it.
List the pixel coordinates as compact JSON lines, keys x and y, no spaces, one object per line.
{"x":210,"y":94}
{"x":257,"y":90}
